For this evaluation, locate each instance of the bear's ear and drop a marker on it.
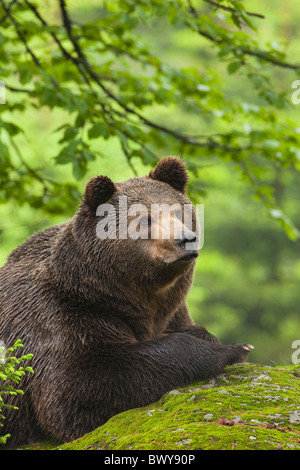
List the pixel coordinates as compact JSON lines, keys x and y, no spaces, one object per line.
{"x":98,"y":190}
{"x":171,"y":170}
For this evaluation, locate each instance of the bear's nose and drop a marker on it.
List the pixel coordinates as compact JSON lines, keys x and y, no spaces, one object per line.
{"x":185,"y":238}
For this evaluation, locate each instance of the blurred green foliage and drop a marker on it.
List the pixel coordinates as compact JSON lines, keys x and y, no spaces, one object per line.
{"x":109,"y":87}
{"x":10,"y":375}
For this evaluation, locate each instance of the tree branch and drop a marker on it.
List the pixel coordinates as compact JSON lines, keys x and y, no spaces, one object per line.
{"x":37,"y":14}
{"x":83,"y":60}
{"x":68,"y":56}
{"x":255,"y":53}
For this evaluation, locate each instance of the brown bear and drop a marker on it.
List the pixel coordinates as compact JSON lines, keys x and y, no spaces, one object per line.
{"x":105,"y":317}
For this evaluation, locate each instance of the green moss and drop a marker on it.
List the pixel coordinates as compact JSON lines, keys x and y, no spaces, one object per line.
{"x":42,"y":445}
{"x":248,"y":407}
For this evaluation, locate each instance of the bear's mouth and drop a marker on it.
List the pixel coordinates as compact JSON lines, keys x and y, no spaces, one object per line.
{"x":187,"y":257}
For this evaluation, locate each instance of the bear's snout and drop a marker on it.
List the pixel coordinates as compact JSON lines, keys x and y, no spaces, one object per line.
{"x":186,"y":240}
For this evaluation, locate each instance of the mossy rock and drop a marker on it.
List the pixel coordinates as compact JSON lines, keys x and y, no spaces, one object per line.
{"x":248,"y":407}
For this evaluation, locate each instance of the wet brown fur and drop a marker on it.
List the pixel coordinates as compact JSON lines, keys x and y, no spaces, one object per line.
{"x":106,"y":320}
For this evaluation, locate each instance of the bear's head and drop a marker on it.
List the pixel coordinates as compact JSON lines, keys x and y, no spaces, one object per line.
{"x":144,"y":229}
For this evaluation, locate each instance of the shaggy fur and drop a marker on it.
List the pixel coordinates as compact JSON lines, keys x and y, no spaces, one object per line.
{"x":106,"y":320}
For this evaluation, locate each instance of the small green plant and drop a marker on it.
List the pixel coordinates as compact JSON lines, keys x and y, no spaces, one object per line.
{"x":10,"y":374}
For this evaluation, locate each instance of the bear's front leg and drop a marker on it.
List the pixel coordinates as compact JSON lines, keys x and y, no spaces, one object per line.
{"x":101,"y":382}
{"x":182,"y":323}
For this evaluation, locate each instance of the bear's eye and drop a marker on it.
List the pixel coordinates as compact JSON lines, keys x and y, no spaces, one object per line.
{"x":145,"y":221}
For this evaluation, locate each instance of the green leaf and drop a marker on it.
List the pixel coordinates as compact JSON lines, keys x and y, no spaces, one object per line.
{"x":69,"y":134}
{"x":79,"y":168}
{"x":99,"y":130}
{"x":234,"y":66}
{"x":11,"y":128}
{"x":25,"y":74}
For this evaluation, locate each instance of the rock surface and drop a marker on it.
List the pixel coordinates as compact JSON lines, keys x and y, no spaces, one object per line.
{"x":248,"y":407}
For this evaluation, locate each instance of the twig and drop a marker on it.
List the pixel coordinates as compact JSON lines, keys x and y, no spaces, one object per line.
{"x":39,"y":178}
{"x":18,"y":90}
{"x":127,"y":155}
{"x":6,"y":15}
{"x":20,"y":34}
{"x":223,"y":7}
{"x":68,"y":26}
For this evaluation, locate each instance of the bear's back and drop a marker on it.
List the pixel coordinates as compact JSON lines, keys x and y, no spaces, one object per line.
{"x":35,"y":248}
